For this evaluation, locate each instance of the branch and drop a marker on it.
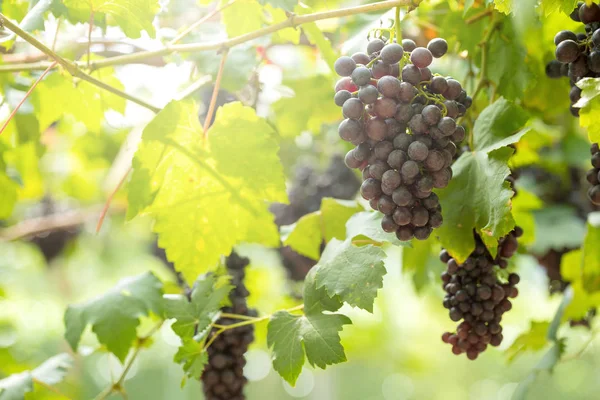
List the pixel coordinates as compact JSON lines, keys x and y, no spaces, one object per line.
{"x":213,"y":100}
{"x":109,"y":200}
{"x":70,"y":66}
{"x":200,"y":22}
{"x":485,"y":45}
{"x":14,"y":112}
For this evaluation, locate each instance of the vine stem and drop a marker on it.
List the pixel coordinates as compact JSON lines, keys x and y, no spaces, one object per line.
{"x":483,"y":79}
{"x":110,"y":199}
{"x":213,"y":100}
{"x":70,"y":66}
{"x":398,"y":27}
{"x":118,"y":385}
{"x":50,"y":388}
{"x":202,"y":20}
{"x":14,"y":112}
{"x":292,"y":22}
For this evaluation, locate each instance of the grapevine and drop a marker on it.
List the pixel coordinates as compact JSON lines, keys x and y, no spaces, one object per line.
{"x":402,"y":119}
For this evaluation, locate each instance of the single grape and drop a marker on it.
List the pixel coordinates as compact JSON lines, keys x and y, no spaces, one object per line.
{"x":593,"y":177}
{"x":404,"y":112}
{"x":423,"y":232}
{"x":596,"y":160}
{"x":431,"y":115}
{"x":421,"y":57}
{"x":382,"y":150}
{"x":594,"y":61}
{"x":435,"y":161}
{"x":436,"y":220}
{"x":432,"y":202}
{"x":447,"y":125}
{"x":361,"y":58}
{"x":407,"y":92}
{"x":388,"y":225}
{"x":438,"y":85}
{"x":553,"y":69}
{"x":575,"y":13}
{"x":409,"y":45}
{"x":392,"y":53}
{"x":341,"y":97}
{"x":353,"y":108}
{"x":567,"y":51}
{"x":417,"y":124}
{"x":389,"y":86}
{"x":385,"y":107}
{"x":346,"y":84}
{"x":426,"y":75}
{"x":370,"y":189}
{"x":596,"y":38}
{"x":402,"y":141}
{"x":589,"y":13}
{"x":344,"y":66}
{"x":425,"y":139}
{"x":564,"y":35}
{"x":380,"y":69}
{"x":350,"y":130}
{"x":454,"y":89}
{"x":351,"y":161}
{"x":438,"y":47}
{"x":458,"y":135}
{"x":391,"y":179}
{"x":442,"y":178}
{"x":376,"y":129}
{"x":575,"y":94}
{"x":579,"y":68}
{"x":368,"y":94}
{"x":375,"y":46}
{"x":362,"y":152}
{"x":411,"y":74}
{"x":452,"y":108}
{"x":417,"y":151}
{"x":405,"y":233}
{"x":402,"y":216}
{"x":361,"y":75}
{"x":397,"y":158}
{"x":386,"y":205}
{"x":402,"y":196}
{"x":424,"y":186}
{"x":409,"y":170}
{"x":377,"y":169}
{"x":394,"y":128}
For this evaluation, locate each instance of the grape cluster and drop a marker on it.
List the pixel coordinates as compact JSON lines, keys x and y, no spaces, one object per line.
{"x":593,"y":176}
{"x":476,"y":296}
{"x":402,"y":120}
{"x":578,"y":54}
{"x":223,"y":378}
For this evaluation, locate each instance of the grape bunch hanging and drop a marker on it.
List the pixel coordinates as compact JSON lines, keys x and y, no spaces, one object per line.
{"x":578,"y":54}
{"x":593,"y":175}
{"x":223,"y":377}
{"x":402,"y":120}
{"x":476,"y":296}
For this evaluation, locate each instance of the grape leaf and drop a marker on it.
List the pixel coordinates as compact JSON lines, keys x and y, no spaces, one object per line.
{"x":590,"y":107}
{"x":207,"y":199}
{"x":115,"y":315}
{"x":552,"y":6}
{"x":316,"y":37}
{"x":51,"y":372}
{"x":132,"y":16}
{"x":242,"y":17}
{"x":293,"y":115}
{"x":291,"y":35}
{"x":368,"y":225}
{"x":533,"y":340}
{"x":8,"y":194}
{"x":354,"y":274}
{"x":504,"y":6}
{"x":478,"y":196}
{"x":306,"y":235}
{"x":287,"y":5}
{"x":313,"y":336}
{"x":193,"y":358}
{"x":196,"y":315}
{"x":58,"y":94}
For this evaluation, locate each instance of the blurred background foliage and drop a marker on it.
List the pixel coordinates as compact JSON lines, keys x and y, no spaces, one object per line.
{"x":65,"y":154}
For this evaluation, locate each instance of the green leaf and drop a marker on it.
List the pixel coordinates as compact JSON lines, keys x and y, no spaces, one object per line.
{"x":590,"y":107}
{"x":287,"y":5}
{"x":54,"y":370}
{"x":557,"y":227}
{"x":242,"y":17}
{"x":115,"y":315}
{"x":316,"y":37}
{"x":552,"y":6}
{"x":533,"y":340}
{"x":478,"y":196}
{"x":294,"y":115}
{"x":8,"y":195}
{"x":206,"y":199}
{"x":15,"y":386}
{"x":307,"y":235}
{"x":58,"y":94}
{"x":132,"y":16}
{"x":422,"y":262}
{"x":34,"y":19}
{"x":504,"y":6}
{"x":354,"y":274}
{"x":196,"y":315}
{"x":367,"y":225}
{"x":287,"y":35}
{"x":193,"y":358}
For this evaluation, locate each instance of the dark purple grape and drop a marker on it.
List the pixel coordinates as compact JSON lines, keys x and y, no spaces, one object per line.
{"x":392,"y":53}
{"x":383,"y":149}
{"x":409,"y":170}
{"x":447,"y":125}
{"x":426,"y":75}
{"x":564,"y":35}
{"x":458,"y":135}
{"x":402,"y":197}
{"x":421,"y":57}
{"x":386,"y":205}
{"x":368,"y":94}
{"x":553,"y":69}
{"x":402,"y":216}
{"x":344,"y":66}
{"x":575,"y":14}
{"x":391,"y":179}
{"x":431,"y":115}
{"x":407,"y":92}
{"x":442,"y":178}
{"x":384,"y":107}
{"x":388,"y":224}
{"x":375,"y":46}
{"x":589,"y":13}
{"x":370,"y":189}
{"x":438,"y":85}
{"x":404,"y":112}
{"x":353,"y":108}
{"x":579,"y":68}
{"x":341,"y":97}
{"x":452,"y":108}
{"x":362,"y":152}
{"x":417,"y":151}
{"x":405,"y":233}
{"x":417,"y":124}
{"x":435,"y":161}
{"x":592,"y":177}
{"x":436,"y":220}
{"x":350,"y":130}
{"x":351,"y":161}
{"x":423,"y":232}
{"x":397,"y":158}
{"x":411,"y":74}
{"x":567,"y":51}
{"x":596,"y":160}
{"x":361,"y":75}
{"x":575,"y":94}
{"x":377,"y":169}
{"x":438,"y":47}
{"x":389,"y":86}
{"x":593,"y":61}
{"x":379,"y":70}
{"x":402,"y":141}
{"x":376,"y":129}
{"x":454,"y":89}
{"x":409,"y":45}
{"x":345,"y":84}
{"x":361,"y":58}
{"x":596,"y":38}
{"x":394,"y":128}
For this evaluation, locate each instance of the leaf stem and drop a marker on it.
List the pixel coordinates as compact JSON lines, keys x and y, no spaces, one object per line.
{"x":202,"y":20}
{"x":213,"y":100}
{"x":483,"y":78}
{"x":14,"y":112}
{"x":479,"y":16}
{"x":109,"y":200}
{"x":58,"y":24}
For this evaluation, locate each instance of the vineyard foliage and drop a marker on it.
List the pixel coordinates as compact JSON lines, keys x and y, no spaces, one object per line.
{"x":181,"y":124}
